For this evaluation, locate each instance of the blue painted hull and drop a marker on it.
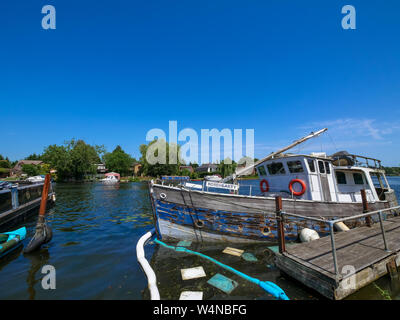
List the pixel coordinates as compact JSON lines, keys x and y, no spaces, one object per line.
{"x":199,"y":224}
{"x":210,"y":216}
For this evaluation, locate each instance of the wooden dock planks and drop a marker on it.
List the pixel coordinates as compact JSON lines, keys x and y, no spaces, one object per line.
{"x":362,"y":248}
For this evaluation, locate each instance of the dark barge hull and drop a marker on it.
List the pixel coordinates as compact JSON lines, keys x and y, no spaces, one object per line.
{"x":209,"y":217}
{"x":25,"y":203}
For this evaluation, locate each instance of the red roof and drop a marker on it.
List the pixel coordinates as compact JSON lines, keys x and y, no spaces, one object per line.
{"x":113,"y":174}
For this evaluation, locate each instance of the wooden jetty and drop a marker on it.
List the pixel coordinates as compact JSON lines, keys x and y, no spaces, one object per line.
{"x":342,"y":263}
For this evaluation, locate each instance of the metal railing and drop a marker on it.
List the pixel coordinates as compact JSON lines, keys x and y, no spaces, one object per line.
{"x":331,"y":224}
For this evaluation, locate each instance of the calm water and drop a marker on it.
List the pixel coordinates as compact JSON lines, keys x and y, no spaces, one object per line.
{"x":96,"y":228}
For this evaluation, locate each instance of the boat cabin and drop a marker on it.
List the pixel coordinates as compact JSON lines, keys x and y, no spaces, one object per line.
{"x":318,"y":177}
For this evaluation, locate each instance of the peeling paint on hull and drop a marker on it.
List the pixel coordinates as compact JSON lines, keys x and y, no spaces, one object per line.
{"x":207,"y":216}
{"x":198,"y":224}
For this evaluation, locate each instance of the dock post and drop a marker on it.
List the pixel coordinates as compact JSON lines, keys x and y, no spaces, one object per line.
{"x":368,"y":219}
{"x":392,"y":269}
{"x":335,"y":264}
{"x":383,"y":231}
{"x":279,"y":219}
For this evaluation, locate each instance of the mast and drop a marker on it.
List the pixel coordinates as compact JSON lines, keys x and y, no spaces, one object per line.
{"x":272,"y":155}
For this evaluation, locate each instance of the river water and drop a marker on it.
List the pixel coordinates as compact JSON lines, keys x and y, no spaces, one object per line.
{"x":93,"y":250}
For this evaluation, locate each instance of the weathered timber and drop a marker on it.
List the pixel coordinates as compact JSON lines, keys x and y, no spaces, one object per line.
{"x":258,"y":204}
{"x":361,"y":250}
{"x":197,"y":215}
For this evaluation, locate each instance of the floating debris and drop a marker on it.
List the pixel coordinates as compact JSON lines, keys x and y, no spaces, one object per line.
{"x":274,"y":249}
{"x":184,"y":243}
{"x":223,"y":283}
{"x":233,"y":251}
{"x":193,"y":273}
{"x":249,"y":257}
{"x":191,"y":295}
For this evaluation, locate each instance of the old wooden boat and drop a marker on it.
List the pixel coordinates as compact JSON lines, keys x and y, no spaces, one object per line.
{"x":309,"y":184}
{"x":9,"y":241}
{"x":19,"y":200}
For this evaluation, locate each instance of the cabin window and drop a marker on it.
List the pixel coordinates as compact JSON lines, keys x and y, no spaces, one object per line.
{"x":276,"y":168}
{"x":295,"y":166}
{"x":358,"y":179}
{"x":377,"y":179}
{"x":341,"y":177}
{"x":261,"y":171}
{"x":327,"y":167}
{"x":311,"y":165}
{"x":321,"y":167}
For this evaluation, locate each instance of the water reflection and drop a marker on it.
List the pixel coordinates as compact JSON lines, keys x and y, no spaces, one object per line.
{"x":37,"y":261}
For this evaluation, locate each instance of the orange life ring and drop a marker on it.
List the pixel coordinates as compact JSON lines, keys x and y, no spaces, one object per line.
{"x":262,"y":182}
{"x":303,"y":186}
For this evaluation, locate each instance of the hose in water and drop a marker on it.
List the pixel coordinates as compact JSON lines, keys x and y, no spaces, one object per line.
{"x":268,"y":286}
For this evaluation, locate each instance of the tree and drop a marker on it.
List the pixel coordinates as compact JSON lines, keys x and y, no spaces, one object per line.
{"x":34,"y":156}
{"x":31,"y":169}
{"x":119,"y":161}
{"x":160,"y":149}
{"x":84,"y":158}
{"x":5,"y":162}
{"x":73,"y":160}
{"x":227,"y":167}
{"x":59,"y":159}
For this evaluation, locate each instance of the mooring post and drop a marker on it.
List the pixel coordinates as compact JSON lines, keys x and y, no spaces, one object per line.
{"x":279,"y":219}
{"x":368,"y":219}
{"x":383,"y":231}
{"x":392,"y":269}
{"x":333,"y":245}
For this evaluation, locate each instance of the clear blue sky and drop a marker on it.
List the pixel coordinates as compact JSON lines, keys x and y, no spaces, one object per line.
{"x":112,"y":70}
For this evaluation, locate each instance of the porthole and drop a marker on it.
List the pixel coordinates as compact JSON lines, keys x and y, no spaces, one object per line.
{"x":266,"y":231}
{"x":199,"y":224}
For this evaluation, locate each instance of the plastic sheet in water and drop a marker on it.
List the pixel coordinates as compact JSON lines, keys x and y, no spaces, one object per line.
{"x":249,"y":257}
{"x":223,"y":283}
{"x":184,"y":243}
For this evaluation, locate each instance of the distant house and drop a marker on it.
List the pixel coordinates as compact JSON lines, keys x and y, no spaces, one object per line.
{"x":101,"y":168}
{"x":189,"y":168}
{"x":17,"y":170}
{"x":136,"y":168}
{"x":207,"y":167}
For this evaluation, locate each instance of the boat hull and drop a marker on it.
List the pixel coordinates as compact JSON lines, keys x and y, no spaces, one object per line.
{"x":13,"y":241}
{"x":206,"y":216}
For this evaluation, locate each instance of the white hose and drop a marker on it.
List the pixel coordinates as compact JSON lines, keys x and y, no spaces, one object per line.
{"x":151,"y":276}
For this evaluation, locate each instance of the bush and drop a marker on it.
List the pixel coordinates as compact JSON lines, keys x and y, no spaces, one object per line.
{"x":31,"y":170}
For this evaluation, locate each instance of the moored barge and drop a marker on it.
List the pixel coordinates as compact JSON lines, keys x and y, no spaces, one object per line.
{"x":20,"y":199}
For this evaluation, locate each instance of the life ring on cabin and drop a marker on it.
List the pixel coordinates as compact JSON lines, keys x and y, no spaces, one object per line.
{"x":303,"y":187}
{"x":262,"y":183}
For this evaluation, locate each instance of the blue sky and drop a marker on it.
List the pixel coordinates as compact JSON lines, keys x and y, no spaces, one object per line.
{"x":112,"y":70}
